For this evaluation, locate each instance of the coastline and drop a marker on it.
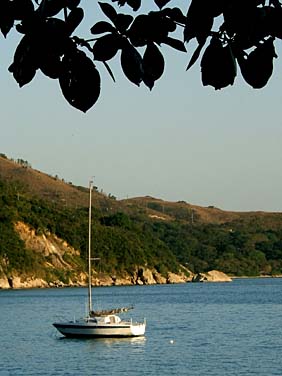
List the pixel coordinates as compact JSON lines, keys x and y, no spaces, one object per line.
{"x":257,"y":276}
{"x":140,"y":277}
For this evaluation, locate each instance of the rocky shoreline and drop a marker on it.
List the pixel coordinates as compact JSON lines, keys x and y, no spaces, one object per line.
{"x":145,"y":277}
{"x":141,"y":277}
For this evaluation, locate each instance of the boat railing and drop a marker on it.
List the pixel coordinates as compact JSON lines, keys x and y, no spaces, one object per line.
{"x":131,"y":322}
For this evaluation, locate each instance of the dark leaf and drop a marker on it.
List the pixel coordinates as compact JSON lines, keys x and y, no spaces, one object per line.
{"x":218,"y":65}
{"x":106,"y":47}
{"x":20,"y":29}
{"x":214,"y":8}
{"x":134,"y":4}
{"x":102,"y":27}
{"x":6,"y":17}
{"x":195,"y":56}
{"x":199,"y":29}
{"x":257,"y":67}
{"x":23,"y":73}
{"x":109,"y":11}
{"x":175,"y":15}
{"x":253,"y":29}
{"x":174,"y":43}
{"x":53,"y":36}
{"x":25,"y":62}
{"x":72,"y":4}
{"x":49,"y":8}
{"x":153,"y":65}
{"x":138,"y":32}
{"x":22,"y":9}
{"x":51,"y":65}
{"x":198,"y":22}
{"x":159,"y":26}
{"x":243,"y":17}
{"x":74,"y":19}
{"x":121,"y":3}
{"x":123,"y":22}
{"x":274,"y":18}
{"x":79,"y":81}
{"x":42,"y":47}
{"x":31,"y":24}
{"x":131,"y":63}
{"x":161,"y":3}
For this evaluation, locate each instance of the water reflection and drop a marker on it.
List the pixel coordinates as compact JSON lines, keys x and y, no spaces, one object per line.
{"x":109,"y":342}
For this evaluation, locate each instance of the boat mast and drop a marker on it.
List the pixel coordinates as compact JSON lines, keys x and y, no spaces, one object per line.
{"x":89,"y":250}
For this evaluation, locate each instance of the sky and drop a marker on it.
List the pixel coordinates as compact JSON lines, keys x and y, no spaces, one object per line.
{"x":182,"y":141}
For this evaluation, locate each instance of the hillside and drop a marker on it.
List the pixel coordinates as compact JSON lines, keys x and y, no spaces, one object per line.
{"x":46,"y":187}
{"x":59,"y":192}
{"x":181,"y":211}
{"x":44,"y":224}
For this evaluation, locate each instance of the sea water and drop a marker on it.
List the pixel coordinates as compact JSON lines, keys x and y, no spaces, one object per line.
{"x":192,"y":329}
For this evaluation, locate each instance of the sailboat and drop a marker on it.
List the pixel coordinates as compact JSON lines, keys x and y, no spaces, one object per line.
{"x":105,"y":323}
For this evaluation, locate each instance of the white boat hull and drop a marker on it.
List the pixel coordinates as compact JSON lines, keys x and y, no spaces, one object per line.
{"x":90,"y":329}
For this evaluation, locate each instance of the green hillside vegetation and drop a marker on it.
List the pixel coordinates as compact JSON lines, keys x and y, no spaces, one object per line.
{"x":133,"y":233}
{"x":119,"y":242}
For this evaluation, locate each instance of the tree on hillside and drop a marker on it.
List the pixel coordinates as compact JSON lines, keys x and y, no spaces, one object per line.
{"x":228,"y":33}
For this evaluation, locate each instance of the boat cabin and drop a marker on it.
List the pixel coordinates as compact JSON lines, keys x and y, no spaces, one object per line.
{"x":111,"y":319}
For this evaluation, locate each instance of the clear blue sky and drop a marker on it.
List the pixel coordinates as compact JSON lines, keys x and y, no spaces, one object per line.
{"x":182,"y":141}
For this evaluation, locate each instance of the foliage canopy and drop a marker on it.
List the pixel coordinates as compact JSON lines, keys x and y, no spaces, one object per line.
{"x":228,"y":33}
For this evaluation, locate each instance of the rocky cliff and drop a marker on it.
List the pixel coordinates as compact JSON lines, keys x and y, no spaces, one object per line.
{"x":62,"y":267}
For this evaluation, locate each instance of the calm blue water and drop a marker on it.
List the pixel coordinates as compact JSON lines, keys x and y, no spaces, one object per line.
{"x":216,"y":329}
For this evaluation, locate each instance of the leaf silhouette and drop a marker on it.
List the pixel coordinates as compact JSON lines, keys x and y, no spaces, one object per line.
{"x":42,"y":49}
{"x":175,"y":14}
{"x":218,"y":65}
{"x":138,"y":32}
{"x":215,"y":8}
{"x":72,"y":4}
{"x":6,"y":17}
{"x":109,"y":11}
{"x":102,"y":27}
{"x":153,"y":65}
{"x":159,"y":26}
{"x":79,"y":81}
{"x":195,"y":55}
{"x":120,"y":2}
{"x":257,"y":67}
{"x":106,"y":47}
{"x":252,"y":29}
{"x":123,"y":22}
{"x":174,"y":43}
{"x":22,"y":9}
{"x":51,"y":65}
{"x":134,"y":4}
{"x":25,"y":62}
{"x":161,"y":3}
{"x":74,"y":19}
{"x":273,"y":18}
{"x":198,"y":22}
{"x":52,"y":36}
{"x":131,"y":63}
{"x":49,"y":8}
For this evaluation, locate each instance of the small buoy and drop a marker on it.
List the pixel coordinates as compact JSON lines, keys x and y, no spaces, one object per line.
{"x":171,"y":341}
